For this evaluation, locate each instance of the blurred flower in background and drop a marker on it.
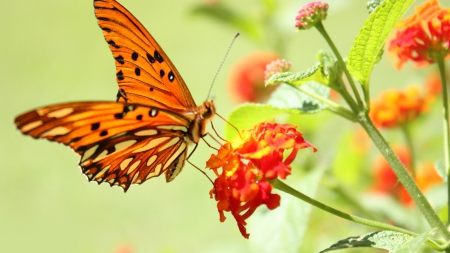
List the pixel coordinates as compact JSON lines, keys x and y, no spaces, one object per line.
{"x":433,"y":87}
{"x":311,"y":14}
{"x":386,"y":182}
{"x":394,"y":108}
{"x":424,"y":36}
{"x":246,"y":79}
{"x":248,"y":164}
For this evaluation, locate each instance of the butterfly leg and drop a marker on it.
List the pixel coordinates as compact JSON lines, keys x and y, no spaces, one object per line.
{"x":121,"y":94}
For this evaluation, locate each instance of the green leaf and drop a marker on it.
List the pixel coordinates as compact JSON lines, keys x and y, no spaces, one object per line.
{"x":366,"y":49}
{"x":282,"y":229}
{"x":285,"y":100}
{"x":315,"y":74}
{"x":247,"y":115}
{"x":394,"y":242}
{"x":288,"y":97}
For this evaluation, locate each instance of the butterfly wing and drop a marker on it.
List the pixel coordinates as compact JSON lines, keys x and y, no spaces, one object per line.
{"x":144,"y":72}
{"x":119,"y":143}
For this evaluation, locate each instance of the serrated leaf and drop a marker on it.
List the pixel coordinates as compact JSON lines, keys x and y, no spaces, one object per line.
{"x":365,"y":51}
{"x":315,"y":74}
{"x":394,"y":242}
{"x":289,"y":220}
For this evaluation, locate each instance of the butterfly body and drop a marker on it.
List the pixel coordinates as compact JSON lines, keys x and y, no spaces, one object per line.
{"x":146,"y":132}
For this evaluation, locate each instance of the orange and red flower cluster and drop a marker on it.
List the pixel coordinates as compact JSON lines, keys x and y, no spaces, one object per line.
{"x":396,"y":107}
{"x":248,"y":164}
{"x":424,"y":36}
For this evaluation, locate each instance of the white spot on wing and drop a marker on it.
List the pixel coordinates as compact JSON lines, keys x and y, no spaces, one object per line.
{"x":148,"y":132}
{"x":170,"y":143}
{"x":88,"y":153}
{"x":151,"y":144}
{"x":124,"y":145}
{"x":56,"y":131}
{"x":31,"y":125}
{"x":174,"y":128}
{"x":60,"y":113}
{"x":134,"y":178}
{"x":134,"y":166}
{"x":175,"y":155}
{"x":153,"y":112}
{"x":151,"y":160}
{"x":124,"y":164}
{"x":102,"y":172}
{"x":155,"y":172}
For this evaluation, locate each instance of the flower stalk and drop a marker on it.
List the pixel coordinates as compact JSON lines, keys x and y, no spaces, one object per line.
{"x":404,"y":177}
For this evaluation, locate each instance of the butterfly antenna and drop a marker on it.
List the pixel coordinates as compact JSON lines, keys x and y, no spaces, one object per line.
{"x":221,"y":64}
{"x":229,"y":123}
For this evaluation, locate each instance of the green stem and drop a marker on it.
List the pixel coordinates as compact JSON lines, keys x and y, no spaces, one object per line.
{"x":319,"y":26}
{"x":441,"y":63}
{"x":286,"y":188}
{"x":404,"y":177}
{"x":407,"y":133}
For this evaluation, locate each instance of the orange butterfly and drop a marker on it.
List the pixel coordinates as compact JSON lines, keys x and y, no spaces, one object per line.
{"x":147,"y":131}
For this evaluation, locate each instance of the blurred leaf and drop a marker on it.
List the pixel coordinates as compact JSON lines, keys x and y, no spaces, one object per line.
{"x":219,"y":11}
{"x":315,"y":73}
{"x":348,"y":162}
{"x":282,"y":229}
{"x":333,"y":70}
{"x":288,"y":97}
{"x":369,"y":42}
{"x":394,"y":242}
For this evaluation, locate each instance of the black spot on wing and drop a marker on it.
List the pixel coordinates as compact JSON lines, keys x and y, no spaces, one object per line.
{"x":134,"y":56}
{"x":120,"y":76}
{"x":95,"y":126}
{"x":104,"y":133}
{"x":162,"y":73}
{"x":120,"y":59}
{"x":150,"y":58}
{"x":171,"y":76}
{"x":158,"y":57}
{"x":112,"y":43}
{"x":137,"y":71}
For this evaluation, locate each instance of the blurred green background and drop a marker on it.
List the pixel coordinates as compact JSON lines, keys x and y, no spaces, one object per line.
{"x":53,"y":51}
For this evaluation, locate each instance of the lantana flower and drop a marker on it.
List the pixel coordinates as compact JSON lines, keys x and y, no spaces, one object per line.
{"x":276,"y":66}
{"x":424,"y":36}
{"x":396,"y":107}
{"x":311,"y":14}
{"x":245,"y":167}
{"x":246,"y":79}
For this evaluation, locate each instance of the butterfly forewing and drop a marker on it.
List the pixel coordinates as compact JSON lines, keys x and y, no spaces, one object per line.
{"x":119,"y":143}
{"x":144,"y":72}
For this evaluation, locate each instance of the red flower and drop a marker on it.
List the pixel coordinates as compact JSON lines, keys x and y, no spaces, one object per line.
{"x":248,"y":164}
{"x":246,"y":79}
{"x":424,"y":36}
{"x":395,"y":107}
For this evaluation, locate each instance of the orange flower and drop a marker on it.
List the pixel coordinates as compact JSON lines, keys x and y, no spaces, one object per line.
{"x":395,"y":107}
{"x":248,"y":164}
{"x":424,"y":36}
{"x":246,"y":79}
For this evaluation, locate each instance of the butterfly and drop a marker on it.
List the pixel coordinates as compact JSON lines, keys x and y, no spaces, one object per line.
{"x":146,"y":132}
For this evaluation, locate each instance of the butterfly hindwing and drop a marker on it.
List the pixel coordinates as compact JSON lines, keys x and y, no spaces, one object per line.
{"x":119,"y":143}
{"x":144,"y":72}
